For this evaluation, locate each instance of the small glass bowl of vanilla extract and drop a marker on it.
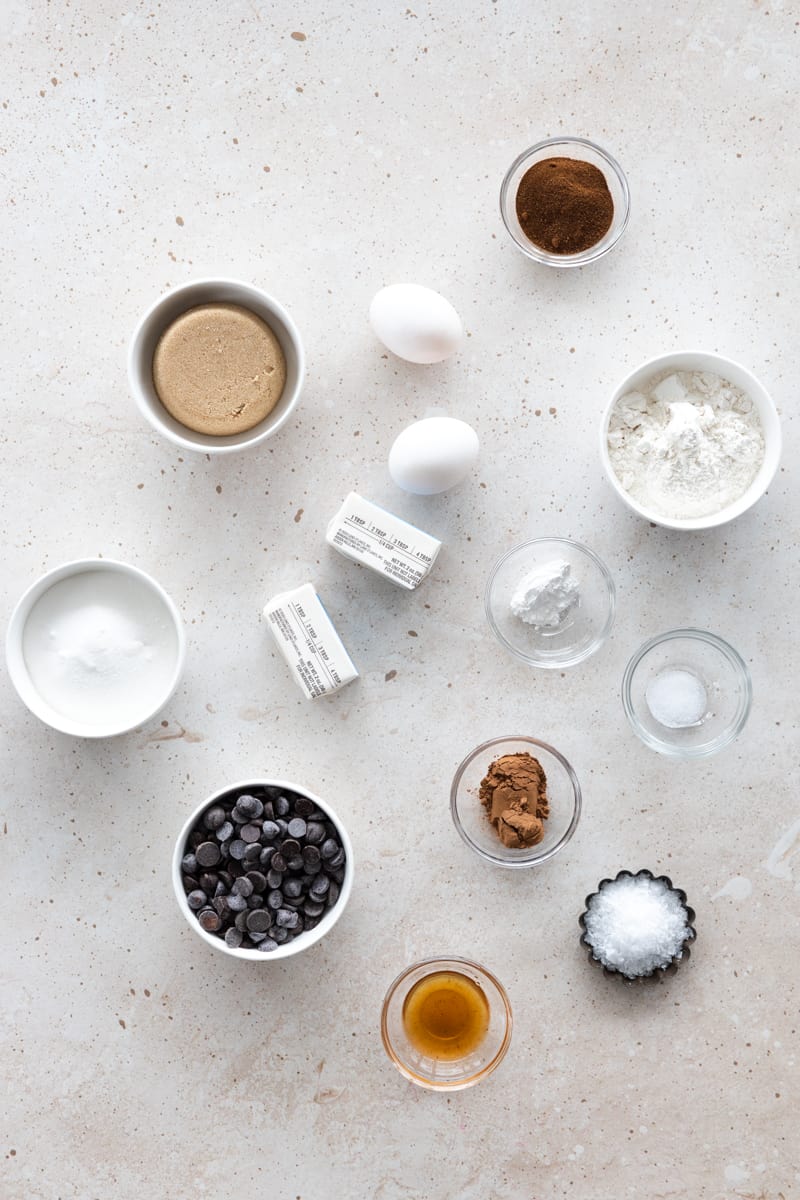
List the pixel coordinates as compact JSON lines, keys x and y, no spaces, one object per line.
{"x":446,"y":1023}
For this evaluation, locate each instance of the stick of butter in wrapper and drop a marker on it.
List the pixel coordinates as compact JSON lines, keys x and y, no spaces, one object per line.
{"x":377,"y":539}
{"x":306,"y":638}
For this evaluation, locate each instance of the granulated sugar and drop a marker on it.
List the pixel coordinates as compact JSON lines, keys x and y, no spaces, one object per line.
{"x":636,"y":925}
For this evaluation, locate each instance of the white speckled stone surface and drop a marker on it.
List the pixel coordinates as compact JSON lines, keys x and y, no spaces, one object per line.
{"x":148,"y":145}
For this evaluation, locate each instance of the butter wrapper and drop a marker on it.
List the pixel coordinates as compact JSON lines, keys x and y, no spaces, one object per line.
{"x":307,"y":639}
{"x":387,"y":544}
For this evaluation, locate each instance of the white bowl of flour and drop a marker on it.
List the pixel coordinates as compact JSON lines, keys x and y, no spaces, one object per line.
{"x":690,"y":440}
{"x":95,"y":648}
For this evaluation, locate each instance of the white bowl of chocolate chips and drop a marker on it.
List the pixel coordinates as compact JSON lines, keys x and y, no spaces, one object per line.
{"x":262,"y":869}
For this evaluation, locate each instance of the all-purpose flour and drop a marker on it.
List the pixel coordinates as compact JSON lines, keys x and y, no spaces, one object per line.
{"x":687,"y":445}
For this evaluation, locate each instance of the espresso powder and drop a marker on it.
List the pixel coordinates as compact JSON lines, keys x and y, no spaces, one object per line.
{"x":564,"y":205}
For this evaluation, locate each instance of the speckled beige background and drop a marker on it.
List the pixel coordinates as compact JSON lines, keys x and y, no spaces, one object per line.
{"x":146,"y":145}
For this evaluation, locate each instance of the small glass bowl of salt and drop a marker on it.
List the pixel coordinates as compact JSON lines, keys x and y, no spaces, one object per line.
{"x":637,"y":926}
{"x":687,"y":693}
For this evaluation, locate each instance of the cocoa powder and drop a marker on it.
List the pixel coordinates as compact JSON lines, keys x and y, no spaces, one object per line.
{"x":564,"y":205}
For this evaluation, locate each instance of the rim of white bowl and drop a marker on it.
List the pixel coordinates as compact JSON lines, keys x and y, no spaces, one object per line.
{"x":305,"y":940}
{"x":15,"y":659}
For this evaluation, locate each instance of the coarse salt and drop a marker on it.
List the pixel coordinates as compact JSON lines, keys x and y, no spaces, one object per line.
{"x":636,"y":925}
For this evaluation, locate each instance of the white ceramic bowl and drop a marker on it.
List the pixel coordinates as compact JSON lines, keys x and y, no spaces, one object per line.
{"x":304,"y":940}
{"x":163,"y":312}
{"x":697,"y":360}
{"x":153,"y":600}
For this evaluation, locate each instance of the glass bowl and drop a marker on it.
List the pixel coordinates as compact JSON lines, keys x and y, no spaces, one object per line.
{"x":722,"y":673}
{"x":582,"y":631}
{"x":472,"y":823}
{"x":446,"y":1074}
{"x":566,"y":147}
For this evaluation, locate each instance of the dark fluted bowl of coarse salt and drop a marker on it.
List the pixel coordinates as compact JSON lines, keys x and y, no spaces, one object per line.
{"x":637,"y":926}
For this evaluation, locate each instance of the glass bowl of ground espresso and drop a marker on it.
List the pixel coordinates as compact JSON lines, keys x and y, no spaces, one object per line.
{"x":262,"y":869}
{"x":446,"y":1023}
{"x":565,"y":202}
{"x":515,"y":801}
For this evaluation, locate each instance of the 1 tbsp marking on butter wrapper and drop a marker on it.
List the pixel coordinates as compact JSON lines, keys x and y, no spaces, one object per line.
{"x":377,"y":539}
{"x":307,"y":639}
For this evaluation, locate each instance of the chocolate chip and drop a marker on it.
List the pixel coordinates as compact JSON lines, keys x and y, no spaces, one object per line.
{"x":297,"y":827}
{"x":224,"y":832}
{"x":275,"y":899}
{"x":236,"y":903}
{"x":250,"y":833}
{"x":282,"y":806}
{"x":189,"y":864}
{"x":269,"y":831}
{"x":312,"y":908}
{"x":251,"y":806}
{"x":242,"y":887}
{"x":208,"y":882}
{"x":268,"y":945}
{"x":196,"y":899}
{"x":278,"y":862}
{"x":252,"y":854}
{"x":303,"y":806}
{"x":208,"y":854}
{"x":329,"y":848}
{"x":214,"y":817}
{"x":315,"y":833}
{"x":337,"y":860}
{"x":209,"y":920}
{"x":233,"y":937}
{"x":274,"y":879}
{"x":257,"y":880}
{"x":292,"y":888}
{"x":286,"y":918}
{"x":237,"y":849}
{"x":319,"y":887}
{"x":259,"y":920}
{"x":311,"y":856}
{"x":289,"y":848}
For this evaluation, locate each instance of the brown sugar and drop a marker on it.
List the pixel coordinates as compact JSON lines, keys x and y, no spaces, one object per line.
{"x":564,"y":205}
{"x":219,"y":369}
{"x":514,"y":794}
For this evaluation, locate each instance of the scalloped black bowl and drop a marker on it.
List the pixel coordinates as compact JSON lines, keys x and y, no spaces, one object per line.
{"x":658,"y":972}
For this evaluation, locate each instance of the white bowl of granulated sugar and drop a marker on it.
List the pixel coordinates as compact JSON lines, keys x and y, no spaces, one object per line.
{"x":690,"y":440}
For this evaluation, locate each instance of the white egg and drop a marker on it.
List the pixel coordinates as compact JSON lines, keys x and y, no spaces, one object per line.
{"x":433,"y":455}
{"x":415,"y":322}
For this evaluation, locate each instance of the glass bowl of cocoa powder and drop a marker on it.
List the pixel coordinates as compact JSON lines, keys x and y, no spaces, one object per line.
{"x":565,"y":202}
{"x":515,"y":801}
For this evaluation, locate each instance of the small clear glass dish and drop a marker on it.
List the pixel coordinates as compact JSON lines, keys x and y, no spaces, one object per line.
{"x":721,"y":671}
{"x":582,"y":631}
{"x":472,"y":822}
{"x":566,"y":147}
{"x":446,"y":1075}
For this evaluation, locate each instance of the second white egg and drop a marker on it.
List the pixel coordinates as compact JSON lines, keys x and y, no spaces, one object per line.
{"x":433,"y":455}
